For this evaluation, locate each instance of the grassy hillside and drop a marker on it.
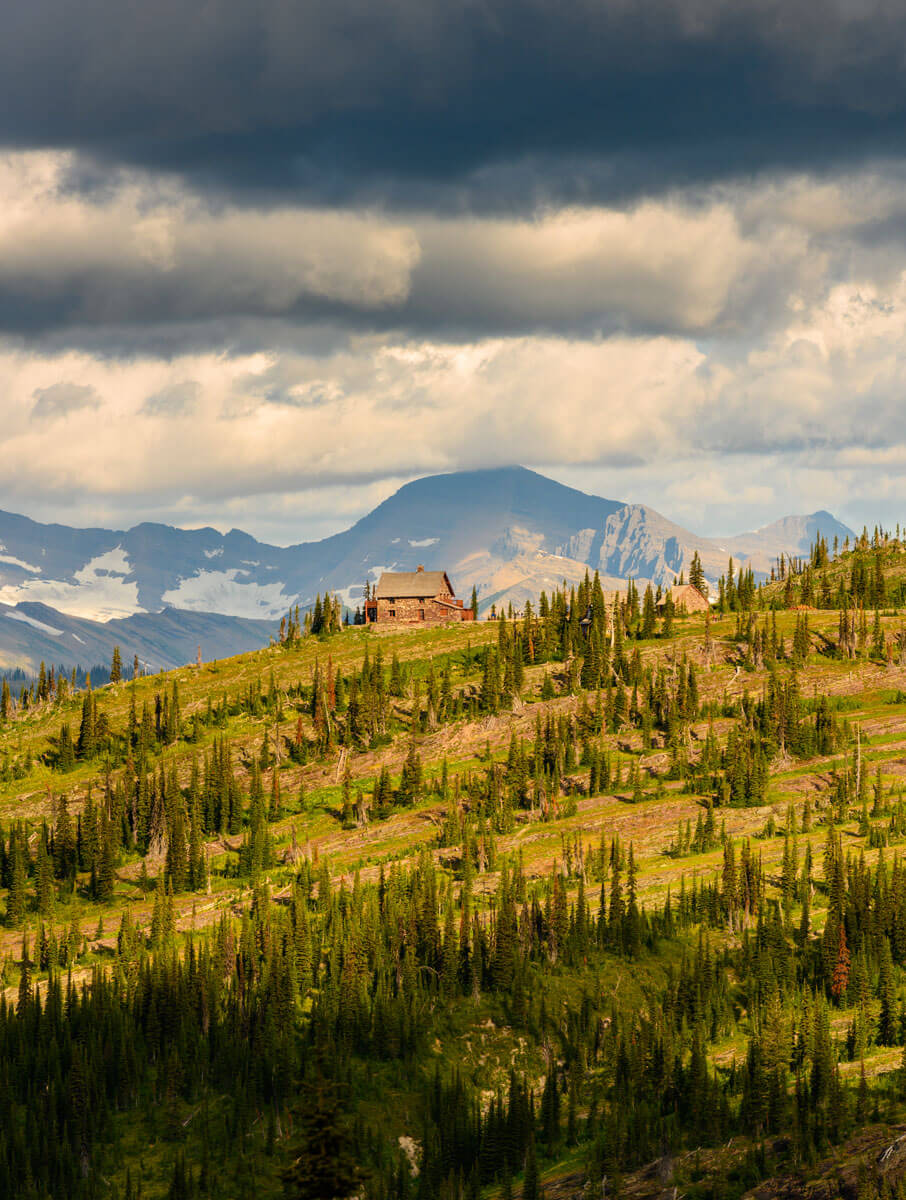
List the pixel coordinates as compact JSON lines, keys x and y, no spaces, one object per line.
{"x":495,"y":897}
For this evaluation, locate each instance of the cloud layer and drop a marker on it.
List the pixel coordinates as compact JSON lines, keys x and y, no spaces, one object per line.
{"x":261,"y":261}
{"x":139,"y":253}
{"x":146,"y":256}
{"x":818,"y":398}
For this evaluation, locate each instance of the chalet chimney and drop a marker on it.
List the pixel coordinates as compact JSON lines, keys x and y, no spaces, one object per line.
{"x":419,"y":567}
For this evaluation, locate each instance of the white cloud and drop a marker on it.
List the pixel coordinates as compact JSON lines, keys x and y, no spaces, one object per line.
{"x":148,"y":253}
{"x":143,"y":251}
{"x":402,"y":409}
{"x":397,"y":408}
{"x":659,"y":264}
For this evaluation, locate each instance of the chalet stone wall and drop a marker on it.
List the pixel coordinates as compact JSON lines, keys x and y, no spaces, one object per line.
{"x":416,"y":609}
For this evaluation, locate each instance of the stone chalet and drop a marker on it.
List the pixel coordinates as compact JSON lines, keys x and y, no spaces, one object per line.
{"x":686,"y":598}
{"x":415,"y":597}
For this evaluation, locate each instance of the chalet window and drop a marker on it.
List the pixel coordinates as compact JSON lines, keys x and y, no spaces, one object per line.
{"x":392,"y":612}
{"x":421,"y":614}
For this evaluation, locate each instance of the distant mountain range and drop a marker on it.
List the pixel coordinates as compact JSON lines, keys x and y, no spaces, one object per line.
{"x":33,"y":632}
{"x":68,"y":595}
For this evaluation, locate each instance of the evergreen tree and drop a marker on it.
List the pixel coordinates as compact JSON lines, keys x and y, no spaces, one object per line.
{"x":887,"y":1017}
{"x":531,"y":1186}
{"x":649,"y":614}
{"x":15,"y":900}
{"x":325,"y":1165}
{"x":85,"y":747}
{"x":66,"y":758}
{"x":44,"y":889}
{"x":697,"y":574}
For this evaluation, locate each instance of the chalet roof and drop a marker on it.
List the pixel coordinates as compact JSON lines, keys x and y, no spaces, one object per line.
{"x":688,"y":595}
{"x":406,"y":584}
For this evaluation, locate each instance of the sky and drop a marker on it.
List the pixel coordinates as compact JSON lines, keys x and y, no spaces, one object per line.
{"x":263,"y":261}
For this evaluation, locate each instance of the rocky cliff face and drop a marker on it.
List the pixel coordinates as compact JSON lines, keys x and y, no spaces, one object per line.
{"x":638,"y":542}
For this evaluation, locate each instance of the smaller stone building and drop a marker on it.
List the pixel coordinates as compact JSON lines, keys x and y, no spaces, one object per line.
{"x":686,"y":598}
{"x":415,"y":597}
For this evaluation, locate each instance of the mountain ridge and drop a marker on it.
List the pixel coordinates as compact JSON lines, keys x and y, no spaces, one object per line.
{"x":31,"y":633}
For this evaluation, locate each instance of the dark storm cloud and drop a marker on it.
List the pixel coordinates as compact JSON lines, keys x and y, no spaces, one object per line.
{"x":340,"y":98}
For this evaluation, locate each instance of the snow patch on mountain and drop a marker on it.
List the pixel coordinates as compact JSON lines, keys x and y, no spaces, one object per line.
{"x":377,"y":572}
{"x":114,"y":562}
{"x":21,"y":616}
{"x":351,"y":596}
{"x":17,"y":562}
{"x":218,"y":553}
{"x":100,"y":590}
{"x":223,"y":592}
{"x":424,"y":541}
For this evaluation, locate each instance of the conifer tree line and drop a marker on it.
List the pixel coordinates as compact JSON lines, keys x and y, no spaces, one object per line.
{"x":553,"y":634}
{"x":321,"y":619}
{"x":21,"y":693}
{"x":150,"y":810}
{"x":598,"y":653}
{"x":852,"y":577}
